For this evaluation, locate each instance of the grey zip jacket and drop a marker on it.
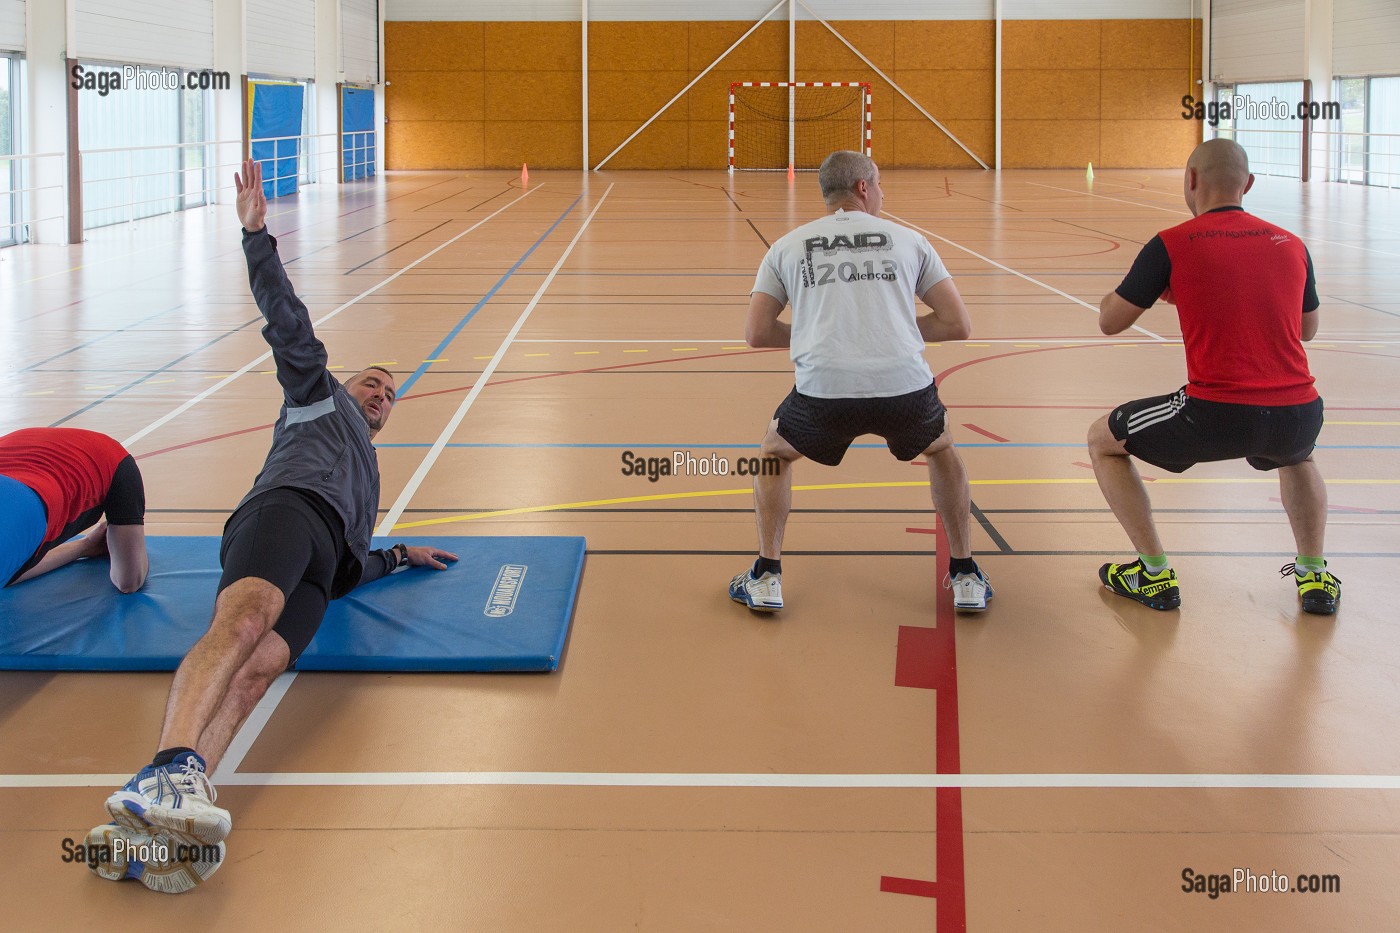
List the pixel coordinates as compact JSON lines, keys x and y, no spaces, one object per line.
{"x":321,"y":440}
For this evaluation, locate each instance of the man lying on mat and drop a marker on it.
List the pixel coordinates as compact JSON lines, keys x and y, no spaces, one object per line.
{"x":298,"y":539}
{"x":57,"y":482}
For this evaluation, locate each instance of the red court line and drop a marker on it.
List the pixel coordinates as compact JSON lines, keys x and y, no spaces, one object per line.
{"x":927,"y":658}
{"x":948,"y":835}
{"x":891,"y":885}
{"x":985,"y":433}
{"x":915,"y":658}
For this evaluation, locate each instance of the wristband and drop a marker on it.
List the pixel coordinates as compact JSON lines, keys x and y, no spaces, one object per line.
{"x":400,"y":552}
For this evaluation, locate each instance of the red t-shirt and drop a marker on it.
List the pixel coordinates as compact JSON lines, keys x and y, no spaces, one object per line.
{"x":1239,"y":283}
{"x":70,"y":469}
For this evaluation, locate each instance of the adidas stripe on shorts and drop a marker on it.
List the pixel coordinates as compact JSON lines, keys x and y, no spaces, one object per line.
{"x":1175,"y":432}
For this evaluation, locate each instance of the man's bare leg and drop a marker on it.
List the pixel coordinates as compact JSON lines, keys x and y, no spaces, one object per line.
{"x":244,"y":613}
{"x":772,"y":495}
{"x":245,"y":691}
{"x":1304,"y":497}
{"x":952,"y":496}
{"x":1123,"y":488}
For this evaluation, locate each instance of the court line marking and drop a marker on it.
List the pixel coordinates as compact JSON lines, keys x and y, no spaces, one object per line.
{"x":457,"y":328}
{"x":387,"y":524}
{"x":1079,"y":301}
{"x":689,"y":447}
{"x":1311,"y":239}
{"x":710,"y":493}
{"x":186,"y":406}
{"x":253,"y":726}
{"x":920,"y":781}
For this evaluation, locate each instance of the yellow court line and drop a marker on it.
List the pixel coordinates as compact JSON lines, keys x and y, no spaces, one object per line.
{"x":481,"y":357}
{"x":437,"y":359}
{"x":711,"y":493}
{"x":537,"y":354}
{"x":159,"y":382}
{"x":682,"y":349}
{"x":635,"y":351}
{"x":42,"y":392}
{"x":587,"y":352}
{"x":745,"y":347}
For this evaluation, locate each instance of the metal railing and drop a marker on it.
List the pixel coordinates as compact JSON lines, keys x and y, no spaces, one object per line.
{"x":310,"y":160}
{"x":17,"y":194}
{"x":1334,"y":155}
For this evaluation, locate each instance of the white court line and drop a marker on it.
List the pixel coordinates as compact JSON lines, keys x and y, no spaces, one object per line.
{"x":1154,"y":207}
{"x":253,"y":726}
{"x":762,"y":779}
{"x":392,"y":516}
{"x":170,"y":416}
{"x":1078,"y":301}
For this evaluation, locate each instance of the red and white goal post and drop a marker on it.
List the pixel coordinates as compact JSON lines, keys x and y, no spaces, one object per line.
{"x":779,"y":125}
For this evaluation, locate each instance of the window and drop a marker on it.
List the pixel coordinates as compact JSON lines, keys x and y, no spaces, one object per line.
{"x":9,"y":177}
{"x":1264,"y":124}
{"x":134,"y":165}
{"x":1366,"y":149}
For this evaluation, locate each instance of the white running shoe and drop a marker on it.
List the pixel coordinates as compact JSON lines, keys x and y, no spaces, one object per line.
{"x":970,"y":591}
{"x":176,"y":797}
{"x":763,"y":594}
{"x":162,"y":863}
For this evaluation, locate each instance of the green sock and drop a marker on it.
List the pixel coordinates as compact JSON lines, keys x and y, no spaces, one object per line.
{"x":1155,"y":563}
{"x":1309,"y":564}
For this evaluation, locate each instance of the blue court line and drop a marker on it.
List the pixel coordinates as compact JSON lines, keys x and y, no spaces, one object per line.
{"x":452,"y":334}
{"x":853,"y":446}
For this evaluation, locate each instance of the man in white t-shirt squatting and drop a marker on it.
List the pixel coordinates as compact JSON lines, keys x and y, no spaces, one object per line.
{"x":858,"y":348}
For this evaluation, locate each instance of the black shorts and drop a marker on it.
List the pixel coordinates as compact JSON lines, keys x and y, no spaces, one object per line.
{"x":1176,"y":432}
{"x":125,"y":504}
{"x":294,"y":540}
{"x":821,"y":429}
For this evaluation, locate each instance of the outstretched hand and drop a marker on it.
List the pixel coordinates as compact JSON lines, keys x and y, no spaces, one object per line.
{"x":429,"y":557}
{"x":252,"y":203}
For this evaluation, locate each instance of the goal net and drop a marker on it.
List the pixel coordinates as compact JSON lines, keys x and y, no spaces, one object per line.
{"x":774,"y":124}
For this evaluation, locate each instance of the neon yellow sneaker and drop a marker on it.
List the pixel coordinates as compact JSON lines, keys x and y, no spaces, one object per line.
{"x":1133,"y":580}
{"x":1318,"y":590}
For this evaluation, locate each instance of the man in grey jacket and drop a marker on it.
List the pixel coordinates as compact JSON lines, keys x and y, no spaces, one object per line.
{"x":299,"y":539}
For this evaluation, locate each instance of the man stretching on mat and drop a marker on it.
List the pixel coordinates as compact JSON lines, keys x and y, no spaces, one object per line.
{"x":298,"y":539}
{"x":1244,"y":291}
{"x":57,"y":482}
{"x":858,"y":348}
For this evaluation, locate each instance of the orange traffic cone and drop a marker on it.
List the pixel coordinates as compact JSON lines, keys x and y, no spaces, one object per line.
{"x":791,"y":173}
{"x":524,"y":173}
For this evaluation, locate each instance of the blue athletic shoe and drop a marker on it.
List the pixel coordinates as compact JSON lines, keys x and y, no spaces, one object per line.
{"x":177,"y":798}
{"x":163,"y":864}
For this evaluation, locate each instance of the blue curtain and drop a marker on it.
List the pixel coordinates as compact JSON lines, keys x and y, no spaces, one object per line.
{"x":357,"y":132}
{"x":277,"y":112}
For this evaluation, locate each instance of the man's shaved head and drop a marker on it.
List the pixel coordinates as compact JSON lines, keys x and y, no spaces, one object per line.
{"x":1217,"y":173}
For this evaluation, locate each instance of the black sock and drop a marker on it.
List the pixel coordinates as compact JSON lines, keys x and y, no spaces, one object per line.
{"x":957,"y":565}
{"x":764,"y":565}
{"x":166,"y":755}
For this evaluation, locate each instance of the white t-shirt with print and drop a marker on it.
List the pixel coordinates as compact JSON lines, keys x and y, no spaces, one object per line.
{"x":852,"y":280}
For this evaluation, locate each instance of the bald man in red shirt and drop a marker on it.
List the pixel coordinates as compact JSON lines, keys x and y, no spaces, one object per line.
{"x":1245,"y":293}
{"x":58,"y":482}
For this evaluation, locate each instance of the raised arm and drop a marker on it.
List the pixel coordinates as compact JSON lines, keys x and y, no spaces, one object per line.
{"x":300,"y":356}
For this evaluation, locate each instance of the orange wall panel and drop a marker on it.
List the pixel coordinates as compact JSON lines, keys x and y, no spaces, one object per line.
{"x":1073,"y":90}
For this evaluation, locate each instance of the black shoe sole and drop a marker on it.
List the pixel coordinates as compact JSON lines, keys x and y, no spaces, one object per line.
{"x":1326,"y":606}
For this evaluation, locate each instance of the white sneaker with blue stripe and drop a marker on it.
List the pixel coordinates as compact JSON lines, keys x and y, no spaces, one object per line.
{"x":970,"y":591}
{"x":162,"y":863}
{"x":762,"y":594}
{"x":176,"y":797}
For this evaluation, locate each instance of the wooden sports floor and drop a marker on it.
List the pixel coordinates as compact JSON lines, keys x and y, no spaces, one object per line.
{"x":864,"y":761}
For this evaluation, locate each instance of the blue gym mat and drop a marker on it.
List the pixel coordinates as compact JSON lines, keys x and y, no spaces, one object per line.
{"x":505,"y":606}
